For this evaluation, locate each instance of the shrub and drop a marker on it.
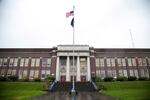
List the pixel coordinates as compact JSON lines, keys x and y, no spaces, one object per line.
{"x":108,"y":79}
{"x":132,"y":78}
{"x":94,"y":79}
{"x":98,"y":79}
{"x":46,"y":86}
{"x":2,"y":78}
{"x":37,"y":79}
{"x":26,"y":80}
{"x":121,"y":78}
{"x":143,"y":78}
{"x":50,"y":78}
{"x":13,"y":78}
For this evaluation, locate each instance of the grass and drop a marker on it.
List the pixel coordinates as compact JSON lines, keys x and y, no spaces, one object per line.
{"x":135,"y":90}
{"x":20,"y":90}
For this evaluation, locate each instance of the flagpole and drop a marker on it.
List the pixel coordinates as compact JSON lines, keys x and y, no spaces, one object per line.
{"x":73,"y":82}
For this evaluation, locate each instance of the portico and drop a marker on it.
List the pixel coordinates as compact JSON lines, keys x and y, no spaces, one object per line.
{"x":64,"y":66}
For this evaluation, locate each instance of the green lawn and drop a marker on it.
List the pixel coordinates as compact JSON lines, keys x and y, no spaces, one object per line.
{"x":20,"y":90}
{"x":136,"y":90}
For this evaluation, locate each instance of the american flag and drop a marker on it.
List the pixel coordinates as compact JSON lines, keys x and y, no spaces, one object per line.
{"x":68,"y":14}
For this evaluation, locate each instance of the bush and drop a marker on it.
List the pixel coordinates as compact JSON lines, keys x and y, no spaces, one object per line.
{"x":121,"y":78}
{"x":94,"y":79}
{"x":50,"y":78}
{"x":98,"y":79}
{"x":132,"y":78}
{"x":143,"y":78}
{"x":108,"y":79}
{"x":46,"y":86}
{"x":2,"y":78}
{"x":37,"y":80}
{"x":13,"y":78}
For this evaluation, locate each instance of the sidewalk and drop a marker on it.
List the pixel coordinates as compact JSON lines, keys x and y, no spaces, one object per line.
{"x":80,"y":96}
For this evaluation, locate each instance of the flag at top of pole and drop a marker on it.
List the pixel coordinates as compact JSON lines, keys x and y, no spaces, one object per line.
{"x":68,"y":14}
{"x":71,"y":13}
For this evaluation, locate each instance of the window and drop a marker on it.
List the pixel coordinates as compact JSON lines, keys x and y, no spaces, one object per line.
{"x":37,"y":62}
{"x":140,"y":61}
{"x":25,"y":74}
{"x":31,"y":74}
{"x":45,"y":73}
{"x":102,"y":62}
{"x":125,"y":73}
{"x":9,"y":72}
{"x":20,"y":74}
{"x":75,"y":61}
{"x":142,"y":73}
{"x":22,"y":62}
{"x":129,"y":62}
{"x":1,"y":61}
{"x":63,"y":61}
{"x":48,"y":62}
{"x":102,"y":74}
{"x":131,"y":72}
{"x":26,"y":62}
{"x":97,"y":62}
{"x":119,"y":62}
{"x":36,"y":74}
{"x":13,"y":72}
{"x":5,"y":62}
{"x":114,"y":73}
{"x":32,"y":62}
{"x":83,"y":62}
{"x":109,"y":73}
{"x":3,"y":72}
{"x":123,"y":62}
{"x":108,"y":62}
{"x":44,"y":62}
{"x":113,"y":62}
{"x":144,"y":63}
{"x":11,"y":62}
{"x":15,"y":61}
{"x":98,"y":73}
{"x":146,"y":73}
{"x":136,"y":73}
{"x":120,"y":73}
{"x":134,"y":62}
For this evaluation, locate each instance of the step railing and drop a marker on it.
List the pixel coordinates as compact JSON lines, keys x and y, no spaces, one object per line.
{"x":51,"y":86}
{"x":95,"y":86}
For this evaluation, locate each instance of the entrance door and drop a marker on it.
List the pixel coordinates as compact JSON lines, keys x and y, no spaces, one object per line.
{"x":83,"y":78}
{"x":63,"y":78}
{"x":72,"y":78}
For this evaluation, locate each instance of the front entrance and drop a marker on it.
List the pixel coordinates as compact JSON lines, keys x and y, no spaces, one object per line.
{"x":63,"y":78}
{"x":72,"y":78}
{"x":83,"y":78}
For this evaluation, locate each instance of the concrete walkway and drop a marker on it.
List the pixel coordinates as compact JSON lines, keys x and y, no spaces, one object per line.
{"x":80,"y":96}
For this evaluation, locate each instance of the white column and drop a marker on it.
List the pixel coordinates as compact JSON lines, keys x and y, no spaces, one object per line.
{"x":88,"y":69}
{"x":78,"y":69}
{"x":68,"y":69}
{"x":57,"y":70}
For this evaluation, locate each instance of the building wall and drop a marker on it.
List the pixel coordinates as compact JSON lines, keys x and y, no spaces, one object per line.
{"x":122,"y":62}
{"x":38,"y":63}
{"x":27,"y":63}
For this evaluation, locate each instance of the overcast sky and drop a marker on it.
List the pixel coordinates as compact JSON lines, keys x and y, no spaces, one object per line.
{"x":98,"y":23}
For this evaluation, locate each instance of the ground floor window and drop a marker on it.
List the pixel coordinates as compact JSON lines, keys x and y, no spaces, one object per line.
{"x":44,"y":74}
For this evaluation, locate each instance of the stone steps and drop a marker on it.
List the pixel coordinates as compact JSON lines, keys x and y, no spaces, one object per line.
{"x":79,"y":86}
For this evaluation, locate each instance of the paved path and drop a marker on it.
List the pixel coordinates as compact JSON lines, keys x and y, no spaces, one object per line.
{"x":80,"y":96}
